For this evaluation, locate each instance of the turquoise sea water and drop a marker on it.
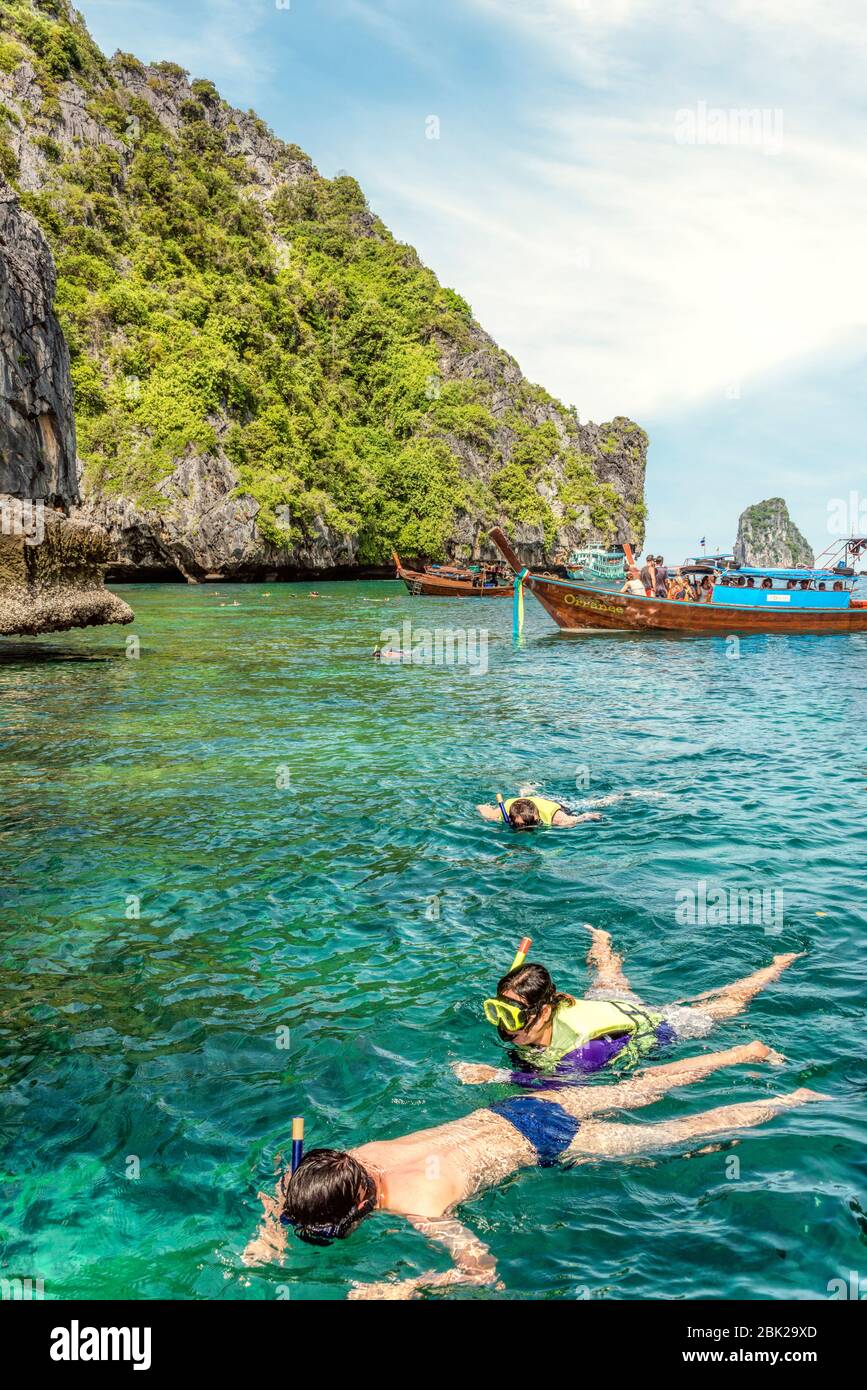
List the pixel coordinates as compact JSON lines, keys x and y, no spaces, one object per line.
{"x":295,"y":826}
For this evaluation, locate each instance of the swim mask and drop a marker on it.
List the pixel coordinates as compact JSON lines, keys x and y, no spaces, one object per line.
{"x":506,"y":1014}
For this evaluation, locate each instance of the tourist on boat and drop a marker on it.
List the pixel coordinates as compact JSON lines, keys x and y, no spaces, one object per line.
{"x":633,"y":584}
{"x":424,"y":1176}
{"x":705,"y":594}
{"x":680,"y":588}
{"x":559,"y":1039}
{"x":648,"y":576}
{"x":527,"y":810}
{"x":661,"y":578}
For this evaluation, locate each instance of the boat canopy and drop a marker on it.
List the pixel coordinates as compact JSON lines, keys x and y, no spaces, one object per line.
{"x":791,"y":574}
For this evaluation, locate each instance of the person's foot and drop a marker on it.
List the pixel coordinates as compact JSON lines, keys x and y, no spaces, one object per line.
{"x":763,"y":1053}
{"x":788,"y":957}
{"x":804,"y":1094}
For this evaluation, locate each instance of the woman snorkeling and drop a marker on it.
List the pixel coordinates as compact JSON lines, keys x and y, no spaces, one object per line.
{"x":560,"y":1039}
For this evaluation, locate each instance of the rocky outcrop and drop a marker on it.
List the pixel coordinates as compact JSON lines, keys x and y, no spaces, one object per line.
{"x":51,"y":569}
{"x":51,"y":573}
{"x":37,"y":434}
{"x":207,"y":527}
{"x":768,"y":536}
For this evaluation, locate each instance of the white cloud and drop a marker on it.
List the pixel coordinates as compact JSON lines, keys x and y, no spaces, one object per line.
{"x":629,"y":272}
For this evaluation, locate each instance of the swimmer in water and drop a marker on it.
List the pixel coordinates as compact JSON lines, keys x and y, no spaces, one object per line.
{"x":527,"y":810}
{"x":559,"y":1039}
{"x":425,"y":1175}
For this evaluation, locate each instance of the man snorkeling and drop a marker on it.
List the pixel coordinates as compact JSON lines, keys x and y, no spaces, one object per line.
{"x":425,"y":1175}
{"x":526,"y":810}
{"x":560,"y":1039}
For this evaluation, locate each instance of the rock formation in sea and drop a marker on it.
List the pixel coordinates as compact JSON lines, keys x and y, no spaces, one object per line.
{"x":265,"y":379}
{"x":51,"y":568}
{"x":768,"y":536}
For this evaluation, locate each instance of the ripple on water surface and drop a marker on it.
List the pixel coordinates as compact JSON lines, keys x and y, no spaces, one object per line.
{"x":255,"y":827}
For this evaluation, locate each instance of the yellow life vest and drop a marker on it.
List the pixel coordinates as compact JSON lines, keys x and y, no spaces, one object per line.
{"x":547,"y":809}
{"x":578,"y":1023}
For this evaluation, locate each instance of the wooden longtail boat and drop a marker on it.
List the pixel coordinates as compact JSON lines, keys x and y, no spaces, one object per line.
{"x":450,"y":582}
{"x":736,"y":606}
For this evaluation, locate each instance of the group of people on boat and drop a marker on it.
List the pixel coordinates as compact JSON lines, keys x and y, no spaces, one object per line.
{"x":691,"y":585}
{"x":655,"y":580}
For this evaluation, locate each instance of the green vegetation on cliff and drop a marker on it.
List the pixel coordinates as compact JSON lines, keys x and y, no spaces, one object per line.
{"x":290,"y":331}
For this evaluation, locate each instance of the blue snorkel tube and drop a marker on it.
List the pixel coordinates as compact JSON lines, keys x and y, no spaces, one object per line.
{"x":503,"y":812}
{"x":297,"y":1142}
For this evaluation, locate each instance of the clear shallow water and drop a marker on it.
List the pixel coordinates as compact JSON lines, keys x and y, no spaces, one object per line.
{"x":313,"y":907}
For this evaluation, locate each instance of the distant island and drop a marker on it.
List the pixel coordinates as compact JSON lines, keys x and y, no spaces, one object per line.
{"x":767,"y":536}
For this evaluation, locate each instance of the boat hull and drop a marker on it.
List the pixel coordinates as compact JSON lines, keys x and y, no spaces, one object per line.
{"x":424,"y":584}
{"x":582,"y":608}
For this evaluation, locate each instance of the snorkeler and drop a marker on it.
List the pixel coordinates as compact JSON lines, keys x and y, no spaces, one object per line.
{"x":526,"y":810}
{"x":425,"y":1175}
{"x":560,"y":1039}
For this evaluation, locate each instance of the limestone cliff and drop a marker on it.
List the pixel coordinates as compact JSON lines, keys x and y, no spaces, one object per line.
{"x":265,"y":379}
{"x":768,"y":536}
{"x":51,"y":570}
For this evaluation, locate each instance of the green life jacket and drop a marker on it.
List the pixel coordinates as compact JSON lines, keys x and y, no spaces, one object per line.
{"x":578,"y":1023}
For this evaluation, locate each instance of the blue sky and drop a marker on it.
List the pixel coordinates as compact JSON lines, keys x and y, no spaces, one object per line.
{"x":659,"y":207}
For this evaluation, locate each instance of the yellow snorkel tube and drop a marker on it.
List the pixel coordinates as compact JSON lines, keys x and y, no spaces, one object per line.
{"x":521,"y":953}
{"x":504,"y":1011}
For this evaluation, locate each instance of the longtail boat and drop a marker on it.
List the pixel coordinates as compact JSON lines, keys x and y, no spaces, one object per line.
{"x":741,"y":600}
{"x":444,"y":581}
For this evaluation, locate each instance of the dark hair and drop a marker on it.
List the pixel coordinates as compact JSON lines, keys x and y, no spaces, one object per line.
{"x":523,"y":812}
{"x":534,"y":987}
{"x":327,"y":1196}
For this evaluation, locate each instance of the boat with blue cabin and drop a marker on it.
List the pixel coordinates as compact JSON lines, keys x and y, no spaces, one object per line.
{"x":735,"y":600}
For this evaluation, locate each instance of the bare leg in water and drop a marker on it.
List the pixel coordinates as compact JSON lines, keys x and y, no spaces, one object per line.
{"x":606,"y":962}
{"x":720,"y":1003}
{"x":733,"y":999}
{"x":606,"y":1140}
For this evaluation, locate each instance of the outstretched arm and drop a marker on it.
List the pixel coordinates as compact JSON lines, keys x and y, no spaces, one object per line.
{"x":269,"y":1242}
{"x":489,"y":812}
{"x":615,"y":1141}
{"x":474,"y":1263}
{"x":639,"y":1089}
{"x":566,"y":818}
